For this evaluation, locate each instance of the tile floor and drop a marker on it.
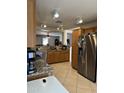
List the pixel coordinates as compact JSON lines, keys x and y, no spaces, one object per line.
{"x":71,"y":80}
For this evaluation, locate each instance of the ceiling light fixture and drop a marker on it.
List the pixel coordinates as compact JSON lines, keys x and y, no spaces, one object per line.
{"x":55,"y":13}
{"x":44,"y":26}
{"x":79,"y":20}
{"x":58,"y":28}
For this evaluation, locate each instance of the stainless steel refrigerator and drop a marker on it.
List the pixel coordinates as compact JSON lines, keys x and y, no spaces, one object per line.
{"x":87,"y":56}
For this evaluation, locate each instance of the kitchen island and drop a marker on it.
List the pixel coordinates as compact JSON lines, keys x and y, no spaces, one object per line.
{"x":56,"y":56}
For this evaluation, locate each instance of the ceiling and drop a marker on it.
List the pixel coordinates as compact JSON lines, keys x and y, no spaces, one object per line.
{"x":69,"y":10}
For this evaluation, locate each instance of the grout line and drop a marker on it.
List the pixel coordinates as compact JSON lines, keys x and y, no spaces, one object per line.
{"x":77,"y":83}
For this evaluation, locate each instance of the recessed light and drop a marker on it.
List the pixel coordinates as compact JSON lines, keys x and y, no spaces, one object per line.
{"x":58,"y":28}
{"x":56,"y":15}
{"x":80,"y":21}
{"x":44,"y":26}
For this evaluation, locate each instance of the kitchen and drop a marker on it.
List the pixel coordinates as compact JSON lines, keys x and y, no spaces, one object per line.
{"x":53,"y":31}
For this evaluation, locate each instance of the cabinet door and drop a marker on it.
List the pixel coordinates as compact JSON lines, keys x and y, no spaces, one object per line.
{"x":92,"y":29}
{"x":66,"y":56}
{"x":57,"y":57}
{"x":50,"y":57}
{"x":75,"y":36}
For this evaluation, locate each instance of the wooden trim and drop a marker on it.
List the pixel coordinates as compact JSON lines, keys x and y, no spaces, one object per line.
{"x":31,"y":23}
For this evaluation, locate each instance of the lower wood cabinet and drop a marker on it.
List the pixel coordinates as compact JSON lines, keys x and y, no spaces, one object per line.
{"x":57,"y":56}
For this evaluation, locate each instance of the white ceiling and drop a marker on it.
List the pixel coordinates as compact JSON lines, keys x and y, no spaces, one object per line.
{"x":69,"y":10}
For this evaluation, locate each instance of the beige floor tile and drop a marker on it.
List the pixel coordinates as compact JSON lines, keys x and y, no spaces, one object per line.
{"x":70,"y":82}
{"x":61,"y":80}
{"x":72,"y":73}
{"x":94,"y":91}
{"x":71,"y":76}
{"x":80,"y":77}
{"x":61,"y":75}
{"x":71,"y":89}
{"x":82,"y":84}
{"x":84,"y":90}
{"x":60,"y":68}
{"x":93,"y":85}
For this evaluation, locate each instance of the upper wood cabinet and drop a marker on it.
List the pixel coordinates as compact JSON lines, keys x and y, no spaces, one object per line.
{"x":91,"y":29}
{"x":31,"y":23}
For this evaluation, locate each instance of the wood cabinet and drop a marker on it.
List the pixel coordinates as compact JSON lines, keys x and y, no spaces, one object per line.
{"x":31,"y":23}
{"x":58,"y":56}
{"x":75,"y":35}
{"x":91,"y":29}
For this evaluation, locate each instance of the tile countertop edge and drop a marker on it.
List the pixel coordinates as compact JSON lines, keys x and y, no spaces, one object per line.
{"x":38,"y":76}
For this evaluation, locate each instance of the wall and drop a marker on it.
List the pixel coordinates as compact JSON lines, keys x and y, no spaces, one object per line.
{"x":69,"y":36}
{"x":51,"y":39}
{"x":59,"y":34}
{"x":38,"y":39}
{"x":66,"y":33}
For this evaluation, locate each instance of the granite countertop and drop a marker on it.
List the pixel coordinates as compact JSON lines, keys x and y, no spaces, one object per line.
{"x":48,"y":49}
{"x":41,"y":73}
{"x":59,"y":50}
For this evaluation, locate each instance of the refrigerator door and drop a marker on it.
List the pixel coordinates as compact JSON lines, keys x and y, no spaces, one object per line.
{"x":91,"y":56}
{"x":82,"y":58}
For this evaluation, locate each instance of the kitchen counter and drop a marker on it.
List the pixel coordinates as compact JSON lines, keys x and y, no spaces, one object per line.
{"x":41,"y":73}
{"x":54,"y":56}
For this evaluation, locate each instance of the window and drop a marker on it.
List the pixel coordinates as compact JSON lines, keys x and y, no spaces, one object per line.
{"x":45,"y":40}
